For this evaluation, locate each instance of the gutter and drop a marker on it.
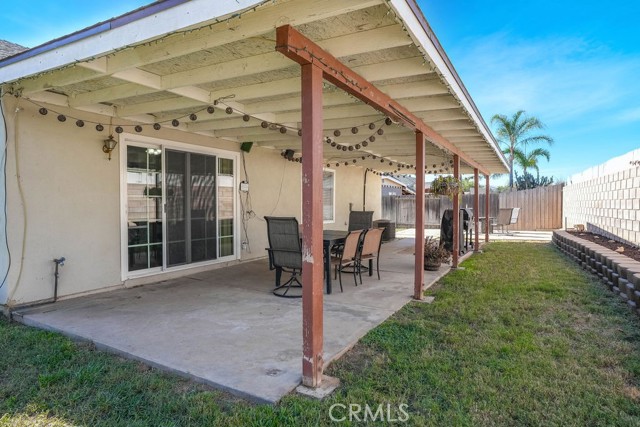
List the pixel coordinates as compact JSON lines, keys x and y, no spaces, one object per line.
{"x":100,"y":27}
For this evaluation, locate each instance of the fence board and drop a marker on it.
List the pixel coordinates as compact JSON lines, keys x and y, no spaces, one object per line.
{"x":402,"y":209}
{"x":540,"y":208}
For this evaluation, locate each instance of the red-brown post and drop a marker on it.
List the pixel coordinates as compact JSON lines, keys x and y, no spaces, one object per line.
{"x":312,"y":272}
{"x":456,"y":215}
{"x":486,"y":207}
{"x":419,"y":264}
{"x":476,"y":210}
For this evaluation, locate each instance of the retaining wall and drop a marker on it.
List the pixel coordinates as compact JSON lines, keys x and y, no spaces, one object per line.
{"x":618,"y":272}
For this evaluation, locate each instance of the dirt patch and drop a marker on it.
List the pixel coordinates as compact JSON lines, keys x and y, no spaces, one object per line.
{"x":630,"y":251}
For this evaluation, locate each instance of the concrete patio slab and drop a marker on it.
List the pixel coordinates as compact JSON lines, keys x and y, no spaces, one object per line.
{"x":225,"y":328}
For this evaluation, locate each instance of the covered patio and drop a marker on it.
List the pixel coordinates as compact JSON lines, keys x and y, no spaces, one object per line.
{"x":360,"y":88}
{"x":225,"y":328}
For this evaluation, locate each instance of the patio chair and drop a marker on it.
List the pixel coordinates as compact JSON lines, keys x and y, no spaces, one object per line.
{"x":372,"y":242}
{"x":360,"y":220}
{"x":285,"y":254}
{"x":506,"y":217}
{"x":348,"y":257}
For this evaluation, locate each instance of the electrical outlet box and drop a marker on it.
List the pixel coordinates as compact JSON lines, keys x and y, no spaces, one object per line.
{"x":244,"y":186}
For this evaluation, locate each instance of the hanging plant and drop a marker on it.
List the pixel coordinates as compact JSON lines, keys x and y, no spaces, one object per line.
{"x":446,"y":186}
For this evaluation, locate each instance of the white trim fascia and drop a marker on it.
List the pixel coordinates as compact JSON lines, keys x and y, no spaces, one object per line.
{"x":147,"y":28}
{"x":418,"y":34}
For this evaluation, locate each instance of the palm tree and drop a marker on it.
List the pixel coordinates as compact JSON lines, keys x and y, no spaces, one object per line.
{"x":530,"y":160}
{"x":514,"y":134}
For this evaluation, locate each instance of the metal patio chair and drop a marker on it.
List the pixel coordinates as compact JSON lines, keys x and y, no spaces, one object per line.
{"x":506,"y":217}
{"x":285,"y":254}
{"x":371,"y":244}
{"x":348,"y":257}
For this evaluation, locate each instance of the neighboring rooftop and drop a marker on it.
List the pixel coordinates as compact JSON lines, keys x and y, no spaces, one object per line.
{"x":9,"y":49}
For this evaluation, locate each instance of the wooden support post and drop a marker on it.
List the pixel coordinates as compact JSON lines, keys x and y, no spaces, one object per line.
{"x":476,"y":210}
{"x":419,"y":262}
{"x":312,"y":271}
{"x":456,"y":215}
{"x":486,"y":208}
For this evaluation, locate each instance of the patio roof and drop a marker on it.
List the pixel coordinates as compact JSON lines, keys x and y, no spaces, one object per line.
{"x":174,"y":58}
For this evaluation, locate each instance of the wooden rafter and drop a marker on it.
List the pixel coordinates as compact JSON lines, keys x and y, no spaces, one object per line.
{"x":300,"y":49}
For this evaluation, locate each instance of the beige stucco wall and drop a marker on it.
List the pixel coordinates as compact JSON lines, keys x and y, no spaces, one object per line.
{"x":64,"y":200}
{"x":275,"y":189}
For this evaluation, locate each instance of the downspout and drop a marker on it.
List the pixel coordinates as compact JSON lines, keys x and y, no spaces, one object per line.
{"x":3,"y":197}
{"x":364,"y":191}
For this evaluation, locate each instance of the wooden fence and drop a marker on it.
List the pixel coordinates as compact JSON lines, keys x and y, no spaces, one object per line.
{"x":540,"y":208}
{"x":402,"y":209}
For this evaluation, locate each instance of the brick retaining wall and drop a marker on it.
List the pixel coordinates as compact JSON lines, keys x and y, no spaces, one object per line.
{"x":618,"y":272}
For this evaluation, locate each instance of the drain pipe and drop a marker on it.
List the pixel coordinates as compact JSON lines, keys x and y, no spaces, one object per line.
{"x":59,"y":263}
{"x":364,"y":191}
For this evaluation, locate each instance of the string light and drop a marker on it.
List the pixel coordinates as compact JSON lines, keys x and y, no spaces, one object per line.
{"x":175,"y":122}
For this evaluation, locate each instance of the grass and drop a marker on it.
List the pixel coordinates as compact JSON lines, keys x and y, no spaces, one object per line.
{"x":520,"y":337}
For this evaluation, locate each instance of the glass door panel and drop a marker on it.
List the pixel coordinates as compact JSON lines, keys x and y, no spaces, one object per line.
{"x":225,"y":206}
{"x":176,"y":201}
{"x":144,"y":203}
{"x":203,"y":207}
{"x":191,"y":208}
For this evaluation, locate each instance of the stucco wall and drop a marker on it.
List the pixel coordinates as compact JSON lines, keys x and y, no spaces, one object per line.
{"x":64,"y":200}
{"x":606,"y":199}
{"x":275,"y":190}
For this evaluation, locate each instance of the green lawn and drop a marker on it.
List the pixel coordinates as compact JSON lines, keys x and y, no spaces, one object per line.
{"x":520,"y":337}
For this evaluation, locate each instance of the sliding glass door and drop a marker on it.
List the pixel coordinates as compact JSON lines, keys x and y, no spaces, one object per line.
{"x":197,"y":224}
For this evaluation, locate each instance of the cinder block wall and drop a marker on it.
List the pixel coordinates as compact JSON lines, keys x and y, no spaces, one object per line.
{"x":606,"y":199}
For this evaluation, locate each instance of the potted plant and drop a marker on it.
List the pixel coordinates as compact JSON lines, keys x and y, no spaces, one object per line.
{"x":434,"y":254}
{"x":446,"y":186}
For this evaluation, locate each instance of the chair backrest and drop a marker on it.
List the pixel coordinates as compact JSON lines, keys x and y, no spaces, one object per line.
{"x":504,"y":216}
{"x":372,"y":241}
{"x":352,"y":245}
{"x":284,"y":242}
{"x":360,"y":220}
{"x":514,"y":215}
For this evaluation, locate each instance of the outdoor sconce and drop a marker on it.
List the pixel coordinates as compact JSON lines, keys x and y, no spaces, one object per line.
{"x":109,"y":145}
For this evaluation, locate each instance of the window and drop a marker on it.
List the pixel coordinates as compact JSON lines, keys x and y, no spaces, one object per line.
{"x":328,"y":196}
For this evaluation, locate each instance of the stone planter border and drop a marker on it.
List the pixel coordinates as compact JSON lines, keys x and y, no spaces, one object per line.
{"x":618,"y":272}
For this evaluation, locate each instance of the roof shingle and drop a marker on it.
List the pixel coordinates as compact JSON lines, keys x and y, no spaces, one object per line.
{"x":9,"y":49}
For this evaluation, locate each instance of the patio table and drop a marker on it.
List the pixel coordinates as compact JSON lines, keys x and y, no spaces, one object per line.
{"x":330,"y":238}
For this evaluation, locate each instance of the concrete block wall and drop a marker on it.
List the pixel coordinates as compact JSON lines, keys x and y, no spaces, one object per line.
{"x":606,"y":199}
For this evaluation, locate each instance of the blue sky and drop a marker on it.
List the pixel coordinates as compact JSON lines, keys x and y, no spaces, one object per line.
{"x":573,"y":64}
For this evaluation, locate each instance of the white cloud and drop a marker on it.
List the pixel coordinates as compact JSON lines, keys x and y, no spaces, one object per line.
{"x":557,"y":79}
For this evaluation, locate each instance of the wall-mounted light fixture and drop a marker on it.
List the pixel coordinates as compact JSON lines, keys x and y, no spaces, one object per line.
{"x":109,"y":145}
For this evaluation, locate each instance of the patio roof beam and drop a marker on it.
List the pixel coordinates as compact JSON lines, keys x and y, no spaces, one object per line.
{"x":304,"y":51}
